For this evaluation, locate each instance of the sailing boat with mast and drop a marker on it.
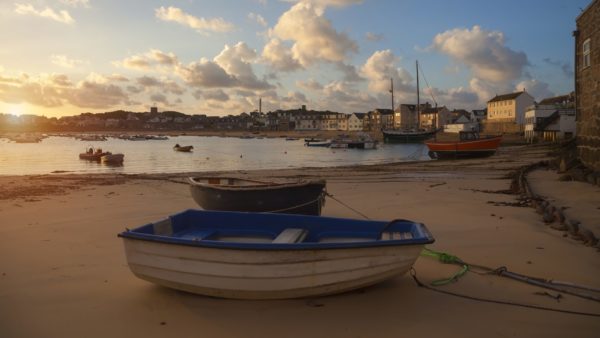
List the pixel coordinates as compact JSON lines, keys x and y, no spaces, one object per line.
{"x":413,"y":134}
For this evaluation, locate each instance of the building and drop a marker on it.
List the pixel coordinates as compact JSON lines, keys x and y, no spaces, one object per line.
{"x":405,"y":117}
{"x":509,"y":108}
{"x":435,"y":118}
{"x":553,"y":119}
{"x":356,"y":121}
{"x":379,"y":119}
{"x":587,"y":85}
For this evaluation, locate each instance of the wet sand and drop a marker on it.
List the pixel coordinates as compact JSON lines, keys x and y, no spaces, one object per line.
{"x":63,"y":271}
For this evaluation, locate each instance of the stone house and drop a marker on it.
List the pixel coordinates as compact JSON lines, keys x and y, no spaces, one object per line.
{"x":587,"y":85}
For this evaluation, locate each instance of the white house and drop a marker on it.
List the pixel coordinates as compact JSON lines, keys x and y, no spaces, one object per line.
{"x":509,"y":107}
{"x":553,"y":119}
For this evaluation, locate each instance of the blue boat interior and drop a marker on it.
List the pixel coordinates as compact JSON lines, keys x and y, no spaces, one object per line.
{"x":269,"y":230}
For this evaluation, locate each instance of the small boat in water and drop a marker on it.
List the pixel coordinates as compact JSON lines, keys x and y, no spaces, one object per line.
{"x":362,"y":141}
{"x":238,"y":194}
{"x":469,"y":146}
{"x":271,"y":256}
{"x":92,"y":154}
{"x":110,"y":158}
{"x":185,"y":149}
{"x":317,"y":143}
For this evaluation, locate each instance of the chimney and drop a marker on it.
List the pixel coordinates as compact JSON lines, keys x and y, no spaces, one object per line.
{"x":260,"y":104}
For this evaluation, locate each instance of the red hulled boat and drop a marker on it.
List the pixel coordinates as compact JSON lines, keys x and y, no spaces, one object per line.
{"x":470,"y":145}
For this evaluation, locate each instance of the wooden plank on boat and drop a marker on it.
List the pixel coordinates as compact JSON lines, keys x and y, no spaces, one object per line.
{"x":291,"y":235}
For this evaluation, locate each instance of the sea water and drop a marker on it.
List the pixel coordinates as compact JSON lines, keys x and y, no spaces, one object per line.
{"x":211,"y":153}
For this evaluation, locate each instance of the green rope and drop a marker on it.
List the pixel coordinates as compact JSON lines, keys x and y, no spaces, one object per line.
{"x":446,"y":259}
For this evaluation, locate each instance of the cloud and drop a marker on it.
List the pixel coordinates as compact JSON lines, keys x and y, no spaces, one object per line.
{"x":56,"y":90}
{"x":216,"y":95}
{"x":60,"y":16}
{"x":382,"y":66}
{"x":160,"y":98}
{"x":329,"y":3}
{"x":280,"y":57}
{"x":152,"y":60}
{"x":64,"y":61}
{"x":349,"y":71}
{"x":310,"y":84}
{"x":313,"y":36}
{"x":566,"y":67}
{"x":484,"y":52}
{"x":76,"y":3}
{"x":538,"y":89}
{"x":236,"y":61}
{"x":201,"y":25}
{"x":373,"y":37}
{"x":346,"y":98}
{"x":258,"y":19}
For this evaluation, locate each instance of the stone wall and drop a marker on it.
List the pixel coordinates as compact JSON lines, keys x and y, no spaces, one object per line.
{"x":587,"y":83}
{"x":501,"y":127}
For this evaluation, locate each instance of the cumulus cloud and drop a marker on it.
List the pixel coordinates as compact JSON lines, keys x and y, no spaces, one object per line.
{"x":538,"y":89}
{"x":279,"y":56}
{"x":258,"y":19}
{"x":61,"y":16}
{"x":201,"y":25}
{"x":64,"y":61}
{"x":217,"y":95}
{"x":56,"y":90}
{"x":347,"y":98}
{"x":484,"y":52}
{"x":382,"y":66}
{"x":152,"y":60}
{"x":313,"y":36}
{"x":310,"y":84}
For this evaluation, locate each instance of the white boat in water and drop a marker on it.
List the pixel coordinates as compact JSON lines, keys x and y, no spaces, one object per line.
{"x":112,"y":158}
{"x":361,"y":141}
{"x":271,"y":256}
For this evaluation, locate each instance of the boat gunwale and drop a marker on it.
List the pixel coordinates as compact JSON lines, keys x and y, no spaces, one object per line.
{"x":262,"y":185}
{"x":423,"y":236}
{"x":287,"y":247}
{"x":448,"y":143}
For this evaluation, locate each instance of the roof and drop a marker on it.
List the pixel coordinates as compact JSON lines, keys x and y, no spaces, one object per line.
{"x":360,"y":115}
{"x":505,"y":97}
{"x":559,"y":100}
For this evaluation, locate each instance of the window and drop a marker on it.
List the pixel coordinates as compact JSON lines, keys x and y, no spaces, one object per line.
{"x":586,"y":53}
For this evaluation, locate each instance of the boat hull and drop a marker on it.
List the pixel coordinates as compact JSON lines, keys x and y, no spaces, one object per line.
{"x":250,"y":274}
{"x":464,"y":149}
{"x":305,"y":198}
{"x":252,"y":255}
{"x":397,"y":136}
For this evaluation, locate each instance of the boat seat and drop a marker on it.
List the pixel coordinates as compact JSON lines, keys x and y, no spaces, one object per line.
{"x":396,"y":235}
{"x":198,"y":235}
{"x":291,"y":235}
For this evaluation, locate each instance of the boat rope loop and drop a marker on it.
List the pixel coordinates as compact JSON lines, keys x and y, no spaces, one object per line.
{"x":413,"y":273}
{"x":320,"y":199}
{"x":346,"y":205}
{"x":580,"y":291}
{"x":446,"y":259}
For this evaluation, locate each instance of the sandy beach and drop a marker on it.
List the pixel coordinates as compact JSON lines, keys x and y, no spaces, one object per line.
{"x":63,"y":271}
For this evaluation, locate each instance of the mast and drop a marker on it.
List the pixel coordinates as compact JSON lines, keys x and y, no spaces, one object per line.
{"x":418,"y":99}
{"x":392,"y":91}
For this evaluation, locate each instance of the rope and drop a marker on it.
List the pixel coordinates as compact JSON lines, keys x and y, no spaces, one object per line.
{"x":504,"y":272}
{"x":347,"y":206}
{"x":318,"y":199}
{"x":413,"y":273}
{"x":446,"y":259}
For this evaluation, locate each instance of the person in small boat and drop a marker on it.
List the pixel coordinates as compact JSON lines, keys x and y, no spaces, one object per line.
{"x":90,"y":151}
{"x":99,"y":151}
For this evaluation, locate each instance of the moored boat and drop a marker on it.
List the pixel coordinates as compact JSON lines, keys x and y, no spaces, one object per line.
{"x":470,"y":145}
{"x":110,"y":158}
{"x":237,"y":194}
{"x":271,"y":256}
{"x":92,"y":154}
{"x":362,"y":141}
{"x":407,"y":136}
{"x":185,"y":149}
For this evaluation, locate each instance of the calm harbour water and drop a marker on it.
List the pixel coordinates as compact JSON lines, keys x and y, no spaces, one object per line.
{"x":61,"y":154}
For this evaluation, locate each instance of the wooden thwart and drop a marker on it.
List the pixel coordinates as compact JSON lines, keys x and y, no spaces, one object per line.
{"x":291,"y":235}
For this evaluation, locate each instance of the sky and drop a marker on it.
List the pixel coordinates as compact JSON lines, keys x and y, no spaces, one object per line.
{"x":66,"y":57}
